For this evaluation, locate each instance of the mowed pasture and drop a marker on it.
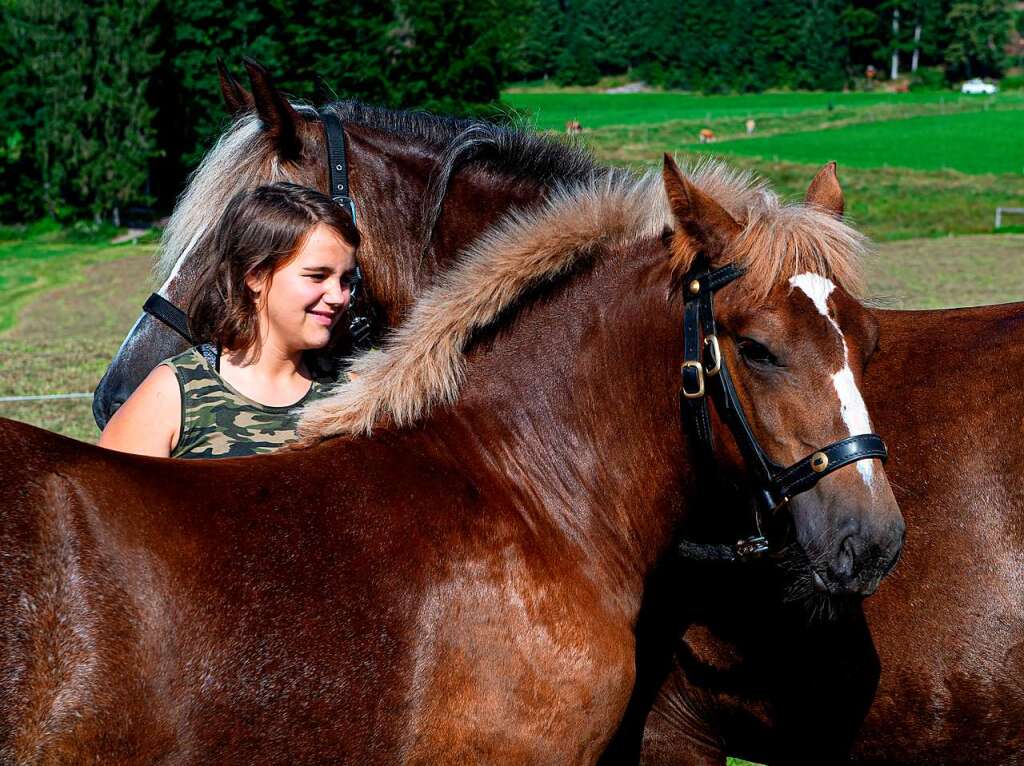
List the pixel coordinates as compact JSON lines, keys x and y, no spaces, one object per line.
{"x":919,"y":164}
{"x":968,"y":142}
{"x":551,"y":109}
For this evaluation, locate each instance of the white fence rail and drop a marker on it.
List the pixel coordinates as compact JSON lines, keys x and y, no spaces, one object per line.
{"x":43,"y":397}
{"x":1001,"y":210}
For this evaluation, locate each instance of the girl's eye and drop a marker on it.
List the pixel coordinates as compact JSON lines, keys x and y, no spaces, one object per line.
{"x":317,"y":277}
{"x":756,"y":353}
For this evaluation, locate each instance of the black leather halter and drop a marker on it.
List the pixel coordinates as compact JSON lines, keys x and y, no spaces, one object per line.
{"x":704,"y":372}
{"x":360,"y":320}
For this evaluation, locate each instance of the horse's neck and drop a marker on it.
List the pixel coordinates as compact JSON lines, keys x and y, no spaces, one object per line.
{"x":391,"y":181}
{"x":573,"y":411}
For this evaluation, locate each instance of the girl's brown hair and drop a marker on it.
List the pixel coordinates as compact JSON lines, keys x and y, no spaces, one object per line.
{"x":260,"y":231}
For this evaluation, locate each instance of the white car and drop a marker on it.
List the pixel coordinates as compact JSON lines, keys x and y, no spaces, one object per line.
{"x":978,"y":86}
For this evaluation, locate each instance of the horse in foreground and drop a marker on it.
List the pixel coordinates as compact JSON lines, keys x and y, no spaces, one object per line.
{"x":463,"y":587}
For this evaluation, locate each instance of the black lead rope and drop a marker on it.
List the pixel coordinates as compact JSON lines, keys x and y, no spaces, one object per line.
{"x":705,"y":372}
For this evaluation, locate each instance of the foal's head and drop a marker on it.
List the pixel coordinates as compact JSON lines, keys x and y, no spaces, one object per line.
{"x":796,"y":341}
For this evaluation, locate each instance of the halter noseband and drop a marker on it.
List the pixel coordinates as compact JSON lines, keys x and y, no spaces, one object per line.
{"x":704,"y":372}
{"x":360,"y":322}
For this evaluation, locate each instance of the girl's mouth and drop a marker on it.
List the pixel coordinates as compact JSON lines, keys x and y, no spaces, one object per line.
{"x":325,"y":318}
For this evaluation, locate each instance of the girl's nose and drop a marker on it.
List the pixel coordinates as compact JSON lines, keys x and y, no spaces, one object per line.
{"x":337,"y":295}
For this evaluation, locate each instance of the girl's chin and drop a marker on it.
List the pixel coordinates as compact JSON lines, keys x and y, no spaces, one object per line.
{"x":320,"y":339}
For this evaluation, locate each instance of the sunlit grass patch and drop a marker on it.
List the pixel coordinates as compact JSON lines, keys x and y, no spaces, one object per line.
{"x":970,"y":142}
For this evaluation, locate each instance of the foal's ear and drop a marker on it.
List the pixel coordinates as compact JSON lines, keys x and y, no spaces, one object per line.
{"x":825,"y":192}
{"x":702,"y":225}
{"x":236,"y":98}
{"x":280,"y":120}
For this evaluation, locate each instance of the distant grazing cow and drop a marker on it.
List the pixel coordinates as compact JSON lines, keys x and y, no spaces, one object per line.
{"x":573,"y":128}
{"x":707,"y":135}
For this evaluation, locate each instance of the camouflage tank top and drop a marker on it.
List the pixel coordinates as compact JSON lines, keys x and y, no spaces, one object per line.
{"x":218,"y":421}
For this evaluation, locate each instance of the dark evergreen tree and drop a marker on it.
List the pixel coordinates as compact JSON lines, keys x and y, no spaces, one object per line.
{"x":452,"y":55}
{"x":537,"y":56}
{"x":122,"y":117}
{"x":977,"y":38}
{"x":607,"y":24}
{"x":21,"y":195}
{"x":351,"y":48}
{"x":52,"y":41}
{"x":576,"y":59}
{"x":823,"y":56}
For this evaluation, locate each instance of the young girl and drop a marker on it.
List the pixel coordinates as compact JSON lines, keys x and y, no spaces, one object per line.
{"x":277,"y":282}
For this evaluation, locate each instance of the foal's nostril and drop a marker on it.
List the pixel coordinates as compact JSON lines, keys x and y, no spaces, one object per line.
{"x":846,"y":561}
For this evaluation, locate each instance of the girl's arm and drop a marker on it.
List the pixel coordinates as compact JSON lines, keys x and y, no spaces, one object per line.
{"x":149,"y":422}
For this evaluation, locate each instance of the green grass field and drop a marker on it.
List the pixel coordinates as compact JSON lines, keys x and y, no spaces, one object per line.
{"x":550,"y":111}
{"x":913,"y":165}
{"x":73,"y":303}
{"x":45,"y":257}
{"x":968,"y":142}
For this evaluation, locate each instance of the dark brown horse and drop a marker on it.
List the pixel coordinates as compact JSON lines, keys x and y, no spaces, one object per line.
{"x":930,"y":671}
{"x":424,"y":188}
{"x":463,"y":589}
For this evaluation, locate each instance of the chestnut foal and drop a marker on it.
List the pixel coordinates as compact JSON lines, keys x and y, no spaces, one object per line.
{"x":464,"y":585}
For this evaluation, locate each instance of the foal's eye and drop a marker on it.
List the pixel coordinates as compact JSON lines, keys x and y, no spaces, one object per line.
{"x":756,"y":353}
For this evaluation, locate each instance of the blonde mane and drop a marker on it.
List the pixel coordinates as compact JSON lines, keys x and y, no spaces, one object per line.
{"x":242,"y":158}
{"x":422,"y":365}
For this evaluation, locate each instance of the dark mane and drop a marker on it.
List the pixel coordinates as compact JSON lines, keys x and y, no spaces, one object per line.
{"x":242,"y":158}
{"x":508,"y":148}
{"x":514,"y":151}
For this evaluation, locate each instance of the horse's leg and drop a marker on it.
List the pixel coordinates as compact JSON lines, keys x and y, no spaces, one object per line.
{"x":523,"y":671}
{"x":678,"y":731}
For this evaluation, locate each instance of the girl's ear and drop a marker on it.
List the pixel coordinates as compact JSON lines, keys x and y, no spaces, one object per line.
{"x":255,"y":284}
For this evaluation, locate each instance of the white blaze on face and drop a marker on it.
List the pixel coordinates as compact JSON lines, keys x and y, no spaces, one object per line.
{"x":851,"y":403}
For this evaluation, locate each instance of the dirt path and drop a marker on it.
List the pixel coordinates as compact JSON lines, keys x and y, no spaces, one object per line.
{"x":64,"y":340}
{"x":949,"y":271}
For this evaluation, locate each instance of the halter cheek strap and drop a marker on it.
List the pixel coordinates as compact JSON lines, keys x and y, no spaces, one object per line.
{"x":337,"y":165}
{"x":360,"y":323}
{"x":159,"y":307}
{"x":704,"y":372}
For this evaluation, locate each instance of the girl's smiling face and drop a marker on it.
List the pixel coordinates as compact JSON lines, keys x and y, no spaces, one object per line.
{"x":300,"y":303}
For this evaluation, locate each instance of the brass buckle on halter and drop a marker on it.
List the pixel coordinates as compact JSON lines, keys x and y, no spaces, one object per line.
{"x":716,"y":355}
{"x":699,"y":368}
